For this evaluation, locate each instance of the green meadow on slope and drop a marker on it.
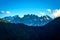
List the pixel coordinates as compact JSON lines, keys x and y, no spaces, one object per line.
{"x":1,"y":20}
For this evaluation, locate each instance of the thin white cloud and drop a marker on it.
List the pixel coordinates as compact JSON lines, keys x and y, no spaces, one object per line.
{"x":56,"y":13}
{"x":42,"y":13}
{"x":49,"y":10}
{"x":8,"y":12}
{"x":2,"y":11}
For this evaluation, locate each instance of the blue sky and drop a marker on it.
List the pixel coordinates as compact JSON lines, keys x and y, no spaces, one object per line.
{"x":22,"y":7}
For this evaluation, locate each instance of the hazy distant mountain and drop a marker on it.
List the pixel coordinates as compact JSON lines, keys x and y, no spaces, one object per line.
{"x":30,"y":20}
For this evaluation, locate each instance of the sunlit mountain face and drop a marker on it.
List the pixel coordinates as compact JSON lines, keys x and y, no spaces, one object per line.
{"x":30,"y":12}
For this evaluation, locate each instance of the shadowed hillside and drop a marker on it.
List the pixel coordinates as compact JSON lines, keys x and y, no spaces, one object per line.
{"x":51,"y":31}
{"x":17,"y":32}
{"x":9,"y":31}
{"x":1,"y":20}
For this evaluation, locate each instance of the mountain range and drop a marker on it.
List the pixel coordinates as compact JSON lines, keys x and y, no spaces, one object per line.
{"x":12,"y":31}
{"x":30,"y":20}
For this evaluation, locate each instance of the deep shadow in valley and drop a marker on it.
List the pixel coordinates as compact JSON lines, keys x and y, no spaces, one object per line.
{"x":11,"y":31}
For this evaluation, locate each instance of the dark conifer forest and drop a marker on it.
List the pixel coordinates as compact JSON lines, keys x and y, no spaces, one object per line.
{"x":11,"y":31}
